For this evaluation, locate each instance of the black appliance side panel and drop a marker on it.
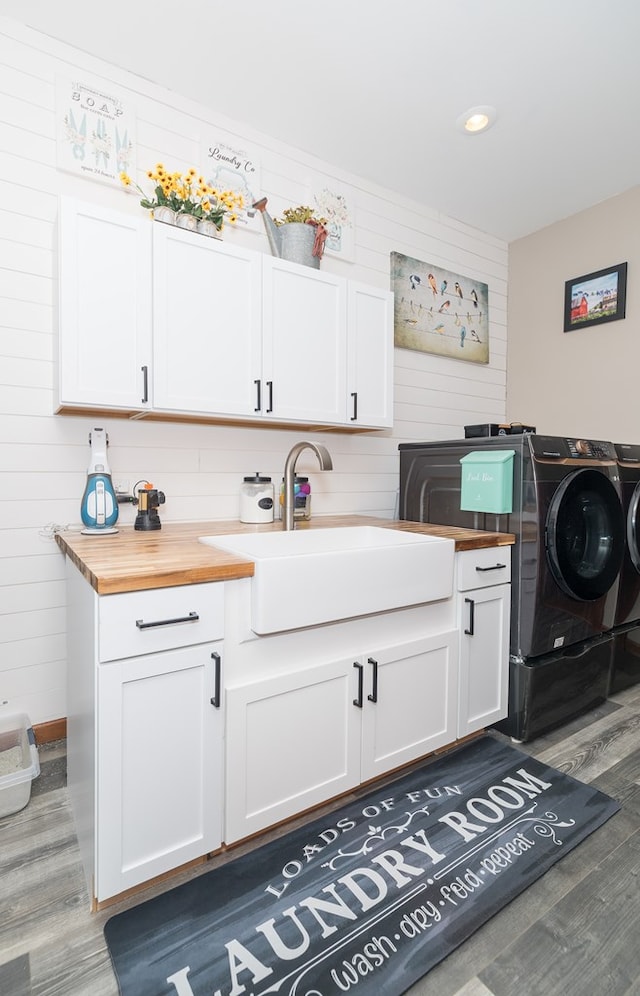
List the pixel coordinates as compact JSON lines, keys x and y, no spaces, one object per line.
{"x":430,"y":482}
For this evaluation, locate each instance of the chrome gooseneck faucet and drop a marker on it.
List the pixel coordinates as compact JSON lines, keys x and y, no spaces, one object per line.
{"x":324,"y":460}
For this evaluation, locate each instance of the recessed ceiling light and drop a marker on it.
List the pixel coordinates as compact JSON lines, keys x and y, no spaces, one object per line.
{"x":476,"y":119}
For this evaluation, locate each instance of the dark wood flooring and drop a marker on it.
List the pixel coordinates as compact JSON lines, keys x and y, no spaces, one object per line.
{"x":575,"y":932}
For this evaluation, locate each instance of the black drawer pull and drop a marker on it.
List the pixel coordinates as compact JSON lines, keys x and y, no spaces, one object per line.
{"x":354,"y":395}
{"x":215,"y":701}
{"x":472,"y":605}
{"x":192,"y":617}
{"x":258,"y":386}
{"x":358,"y":701}
{"x":496,"y":567}
{"x":374,"y":681}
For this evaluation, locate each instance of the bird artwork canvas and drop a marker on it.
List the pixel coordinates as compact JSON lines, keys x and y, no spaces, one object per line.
{"x":437,"y":311}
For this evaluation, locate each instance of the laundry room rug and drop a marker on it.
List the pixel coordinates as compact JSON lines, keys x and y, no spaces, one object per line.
{"x":369,"y":897}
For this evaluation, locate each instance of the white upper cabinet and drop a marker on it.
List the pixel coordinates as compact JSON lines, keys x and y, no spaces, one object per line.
{"x":206,"y":324}
{"x":370,"y":357}
{"x":305,"y":343}
{"x":154,"y":317}
{"x":104,"y":307}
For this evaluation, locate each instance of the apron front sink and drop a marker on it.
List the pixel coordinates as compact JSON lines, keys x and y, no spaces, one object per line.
{"x":313,"y":576}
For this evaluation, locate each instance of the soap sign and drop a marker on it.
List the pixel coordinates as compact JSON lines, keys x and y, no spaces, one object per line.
{"x":95,"y":135}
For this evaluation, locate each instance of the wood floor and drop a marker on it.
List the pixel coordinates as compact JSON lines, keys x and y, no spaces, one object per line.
{"x":575,"y":932}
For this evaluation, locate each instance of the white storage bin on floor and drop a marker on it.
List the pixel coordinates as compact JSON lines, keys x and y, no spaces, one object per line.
{"x":19,"y":763}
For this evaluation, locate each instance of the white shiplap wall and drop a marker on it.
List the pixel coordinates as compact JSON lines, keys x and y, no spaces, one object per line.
{"x":43,"y":457}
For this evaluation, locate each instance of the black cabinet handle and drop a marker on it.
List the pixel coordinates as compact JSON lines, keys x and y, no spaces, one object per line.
{"x":192,"y":617}
{"x":354,"y":395}
{"x":258,"y":398}
{"x":470,"y":602}
{"x":215,"y":701}
{"x":270,"y":389}
{"x":496,"y":567}
{"x":374,"y":685}
{"x":145,"y":385}
{"x":358,"y":701}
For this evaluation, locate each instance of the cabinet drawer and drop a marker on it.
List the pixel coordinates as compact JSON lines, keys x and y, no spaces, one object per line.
{"x":143,"y":622}
{"x":481,"y":568}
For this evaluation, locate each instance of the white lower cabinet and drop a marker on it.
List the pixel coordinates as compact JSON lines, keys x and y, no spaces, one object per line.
{"x":484,"y":603}
{"x":169,"y":755}
{"x":410,"y":702}
{"x":144,"y":729}
{"x":296,"y":739}
{"x":159,"y":765}
{"x":293,"y":741}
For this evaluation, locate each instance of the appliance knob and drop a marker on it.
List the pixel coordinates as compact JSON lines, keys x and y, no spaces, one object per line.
{"x":582,"y":446}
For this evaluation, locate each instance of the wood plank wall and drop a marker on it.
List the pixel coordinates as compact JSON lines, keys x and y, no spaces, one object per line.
{"x":43,"y":457}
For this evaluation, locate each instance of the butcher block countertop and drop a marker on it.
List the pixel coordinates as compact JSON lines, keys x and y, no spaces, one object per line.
{"x":133,"y":561}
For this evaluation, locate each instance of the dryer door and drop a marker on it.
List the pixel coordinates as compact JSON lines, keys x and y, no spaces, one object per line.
{"x":633,"y":528}
{"x":585,"y":534}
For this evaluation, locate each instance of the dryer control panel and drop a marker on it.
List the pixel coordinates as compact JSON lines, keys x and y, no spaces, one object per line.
{"x":566,"y":448}
{"x":627,"y":453}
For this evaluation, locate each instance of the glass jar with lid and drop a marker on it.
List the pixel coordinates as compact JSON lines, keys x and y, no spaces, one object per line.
{"x":256,"y":499}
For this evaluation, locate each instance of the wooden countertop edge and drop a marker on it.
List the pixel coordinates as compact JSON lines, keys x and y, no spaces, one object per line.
{"x":134,"y":561}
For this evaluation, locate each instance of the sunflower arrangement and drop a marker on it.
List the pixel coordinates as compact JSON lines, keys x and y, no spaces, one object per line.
{"x":188,"y":193}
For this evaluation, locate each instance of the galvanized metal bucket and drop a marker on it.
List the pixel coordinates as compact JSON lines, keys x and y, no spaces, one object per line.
{"x":296,"y":241}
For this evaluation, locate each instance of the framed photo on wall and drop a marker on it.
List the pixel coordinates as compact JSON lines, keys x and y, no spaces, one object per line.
{"x":595,"y":298}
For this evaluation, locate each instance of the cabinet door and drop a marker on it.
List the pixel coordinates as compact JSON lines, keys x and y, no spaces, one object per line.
{"x":159,"y":794}
{"x":370,"y":357}
{"x":484,"y":657}
{"x":305,"y":343}
{"x":410,"y":702}
{"x":293,"y":741}
{"x":104,"y":306}
{"x":206,"y":301}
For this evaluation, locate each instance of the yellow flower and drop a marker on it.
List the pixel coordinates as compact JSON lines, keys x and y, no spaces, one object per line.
{"x":188,"y":193}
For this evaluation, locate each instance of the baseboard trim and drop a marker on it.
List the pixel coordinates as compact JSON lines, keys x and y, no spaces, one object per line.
{"x":45,"y":733}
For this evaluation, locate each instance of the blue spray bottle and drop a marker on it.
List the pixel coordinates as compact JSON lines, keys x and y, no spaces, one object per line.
{"x":99,"y":508}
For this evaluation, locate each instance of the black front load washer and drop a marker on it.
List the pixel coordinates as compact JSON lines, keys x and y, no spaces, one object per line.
{"x":569,"y":528}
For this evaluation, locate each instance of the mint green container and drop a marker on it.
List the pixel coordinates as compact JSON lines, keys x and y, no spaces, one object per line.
{"x":487,"y":481}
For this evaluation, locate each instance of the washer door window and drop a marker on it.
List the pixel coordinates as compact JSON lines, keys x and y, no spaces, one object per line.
{"x":584,"y":535}
{"x":633,"y":528}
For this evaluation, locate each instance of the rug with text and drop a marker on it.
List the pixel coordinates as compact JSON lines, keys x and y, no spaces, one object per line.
{"x":369,"y":898}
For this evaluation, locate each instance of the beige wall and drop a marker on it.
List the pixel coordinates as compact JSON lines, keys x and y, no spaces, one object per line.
{"x":585,"y":382}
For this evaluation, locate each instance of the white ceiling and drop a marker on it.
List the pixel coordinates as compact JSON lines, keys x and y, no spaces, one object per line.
{"x":376,"y":86}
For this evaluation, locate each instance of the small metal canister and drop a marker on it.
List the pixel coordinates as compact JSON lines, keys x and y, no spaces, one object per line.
{"x":256,"y":499}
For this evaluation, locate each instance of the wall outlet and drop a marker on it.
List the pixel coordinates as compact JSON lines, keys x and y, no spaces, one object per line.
{"x":120,"y":486}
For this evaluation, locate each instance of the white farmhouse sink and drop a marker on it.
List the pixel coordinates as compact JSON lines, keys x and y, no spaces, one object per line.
{"x":313,"y":576}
